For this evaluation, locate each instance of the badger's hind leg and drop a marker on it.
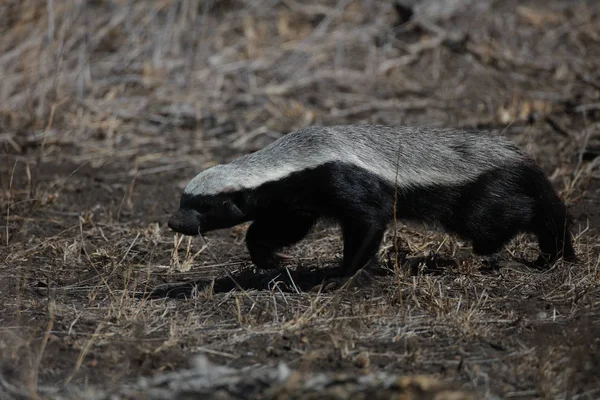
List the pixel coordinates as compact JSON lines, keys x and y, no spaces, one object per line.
{"x":492,"y":239}
{"x":491,"y":211}
{"x":505,"y":202}
{"x":267,"y":235}
{"x":490,"y":244}
{"x":550,"y":221}
{"x":552,"y":227}
{"x":553,"y":247}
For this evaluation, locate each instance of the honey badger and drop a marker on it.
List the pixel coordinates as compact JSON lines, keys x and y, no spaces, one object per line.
{"x":475,"y":185}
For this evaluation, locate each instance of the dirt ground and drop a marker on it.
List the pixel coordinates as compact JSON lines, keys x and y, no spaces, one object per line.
{"x":108,"y":108}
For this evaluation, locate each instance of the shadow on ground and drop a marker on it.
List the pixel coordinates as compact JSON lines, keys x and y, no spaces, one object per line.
{"x":300,"y":279}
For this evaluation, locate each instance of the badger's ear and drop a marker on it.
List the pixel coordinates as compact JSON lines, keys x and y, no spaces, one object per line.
{"x":233,"y":209}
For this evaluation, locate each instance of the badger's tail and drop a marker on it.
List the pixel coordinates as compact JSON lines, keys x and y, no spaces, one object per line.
{"x":552,"y":222}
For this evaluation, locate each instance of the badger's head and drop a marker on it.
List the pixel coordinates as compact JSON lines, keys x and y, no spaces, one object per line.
{"x":210,"y":201}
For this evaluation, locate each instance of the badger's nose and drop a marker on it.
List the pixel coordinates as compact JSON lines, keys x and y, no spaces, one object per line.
{"x":186,"y":222}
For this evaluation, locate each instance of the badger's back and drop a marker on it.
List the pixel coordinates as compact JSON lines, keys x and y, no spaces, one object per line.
{"x":408,"y":156}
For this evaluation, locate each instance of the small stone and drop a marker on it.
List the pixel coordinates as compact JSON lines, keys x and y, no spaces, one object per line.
{"x":362,"y":360}
{"x":542,"y":315}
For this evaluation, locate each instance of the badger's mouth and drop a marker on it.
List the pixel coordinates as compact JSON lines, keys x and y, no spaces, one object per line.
{"x":186,"y":222}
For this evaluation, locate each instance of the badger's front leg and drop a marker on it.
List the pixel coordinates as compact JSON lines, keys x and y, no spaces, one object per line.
{"x":362,"y":238}
{"x":268,"y":234}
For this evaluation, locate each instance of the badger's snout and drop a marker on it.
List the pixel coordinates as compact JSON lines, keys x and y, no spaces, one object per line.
{"x":186,"y":222}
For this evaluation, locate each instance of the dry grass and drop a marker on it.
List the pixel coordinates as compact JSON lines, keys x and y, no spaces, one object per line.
{"x":108,"y":107}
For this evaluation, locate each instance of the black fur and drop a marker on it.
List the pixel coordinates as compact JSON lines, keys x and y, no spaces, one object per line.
{"x":489,"y":211}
